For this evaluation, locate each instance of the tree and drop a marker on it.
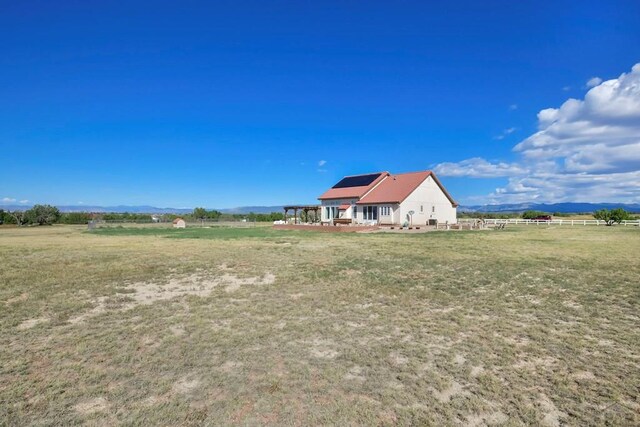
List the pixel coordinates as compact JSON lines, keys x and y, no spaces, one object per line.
{"x":612,"y":216}
{"x":43,"y":214}
{"x":213,"y":214}
{"x":199,"y":213}
{"x":20,"y":217}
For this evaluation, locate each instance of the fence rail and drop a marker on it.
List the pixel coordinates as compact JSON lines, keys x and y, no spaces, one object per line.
{"x":520,"y":221}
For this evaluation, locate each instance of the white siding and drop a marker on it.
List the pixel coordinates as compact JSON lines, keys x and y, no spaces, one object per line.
{"x":390,"y":217}
{"x":427,"y":201}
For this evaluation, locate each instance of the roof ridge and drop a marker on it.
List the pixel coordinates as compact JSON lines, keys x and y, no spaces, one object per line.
{"x":410,"y":173}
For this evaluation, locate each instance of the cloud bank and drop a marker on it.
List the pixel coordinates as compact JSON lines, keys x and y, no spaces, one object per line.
{"x":9,"y":200}
{"x":585,"y":150}
{"x":594,"y":81}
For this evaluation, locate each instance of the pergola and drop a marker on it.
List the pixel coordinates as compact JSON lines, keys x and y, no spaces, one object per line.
{"x":303,"y":208}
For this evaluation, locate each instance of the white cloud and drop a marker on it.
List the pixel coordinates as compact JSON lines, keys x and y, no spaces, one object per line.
{"x":566,"y":88}
{"x":594,"y":81}
{"x":8,"y":200}
{"x":513,"y":107}
{"x":505,"y":133}
{"x":23,"y":201}
{"x":478,"y":168}
{"x":322,"y":163}
{"x":585,"y":150}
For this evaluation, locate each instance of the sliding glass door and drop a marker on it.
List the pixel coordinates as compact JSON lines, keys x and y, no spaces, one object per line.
{"x":370,"y":213}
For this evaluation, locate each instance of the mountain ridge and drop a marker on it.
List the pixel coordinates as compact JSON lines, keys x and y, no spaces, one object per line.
{"x":565,"y":207}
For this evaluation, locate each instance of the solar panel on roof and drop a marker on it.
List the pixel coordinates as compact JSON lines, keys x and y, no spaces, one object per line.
{"x":357,"y":181}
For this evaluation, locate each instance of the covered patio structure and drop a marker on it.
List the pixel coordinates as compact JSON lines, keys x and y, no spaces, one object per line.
{"x":305,"y":209}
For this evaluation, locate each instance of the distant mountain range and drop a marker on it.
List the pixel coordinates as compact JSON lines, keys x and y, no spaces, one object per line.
{"x":570,"y":207}
{"x":254,"y":209}
{"x":146,"y":209}
{"x":105,"y":209}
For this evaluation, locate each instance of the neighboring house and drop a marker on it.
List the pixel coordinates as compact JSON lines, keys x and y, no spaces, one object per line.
{"x":383,"y":198}
{"x":179,"y":223}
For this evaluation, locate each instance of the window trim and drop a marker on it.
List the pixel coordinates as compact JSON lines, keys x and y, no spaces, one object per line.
{"x":370,"y":213}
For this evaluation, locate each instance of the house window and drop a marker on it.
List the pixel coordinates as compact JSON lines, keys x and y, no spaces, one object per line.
{"x":332,"y":212}
{"x":355,"y":212}
{"x":433,"y":208}
{"x":421,"y":208}
{"x":370,"y":213}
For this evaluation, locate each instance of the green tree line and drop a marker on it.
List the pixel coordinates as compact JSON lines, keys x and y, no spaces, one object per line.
{"x":47,"y":215}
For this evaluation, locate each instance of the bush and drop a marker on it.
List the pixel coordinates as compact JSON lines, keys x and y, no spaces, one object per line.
{"x":75,"y":218}
{"x":612,"y":216}
{"x":532,"y":214}
{"x":42,"y":215}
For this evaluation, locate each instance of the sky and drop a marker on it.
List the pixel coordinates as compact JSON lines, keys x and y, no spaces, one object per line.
{"x":240,"y":103}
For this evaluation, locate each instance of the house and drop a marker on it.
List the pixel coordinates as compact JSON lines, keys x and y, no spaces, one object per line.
{"x":179,"y":223}
{"x":416,"y":198}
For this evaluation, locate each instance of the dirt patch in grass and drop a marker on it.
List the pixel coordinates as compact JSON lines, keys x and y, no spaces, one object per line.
{"x":454,"y":389}
{"x":178,"y":331}
{"x":185,"y":386}
{"x":20,"y":298}
{"x":322,"y":349}
{"x":486,"y":419}
{"x":30,"y":323}
{"x":356,"y":373}
{"x":583,"y":376}
{"x":476,"y":371}
{"x":145,"y":293}
{"x":552,"y":416}
{"x":92,"y":406}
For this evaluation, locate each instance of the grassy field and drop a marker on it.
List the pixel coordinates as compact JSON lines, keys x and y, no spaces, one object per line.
{"x":526,"y":326}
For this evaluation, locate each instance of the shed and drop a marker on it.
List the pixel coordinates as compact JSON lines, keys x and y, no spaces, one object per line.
{"x":179,"y":223}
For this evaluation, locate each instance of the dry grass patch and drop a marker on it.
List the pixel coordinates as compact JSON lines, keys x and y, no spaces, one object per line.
{"x":224,"y":326}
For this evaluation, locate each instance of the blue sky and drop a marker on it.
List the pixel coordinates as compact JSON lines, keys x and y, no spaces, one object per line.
{"x":226,"y":104}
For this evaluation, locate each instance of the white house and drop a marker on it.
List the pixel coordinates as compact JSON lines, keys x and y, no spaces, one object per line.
{"x":416,"y":198}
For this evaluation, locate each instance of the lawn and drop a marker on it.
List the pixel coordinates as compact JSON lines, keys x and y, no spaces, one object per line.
{"x":525,"y":326}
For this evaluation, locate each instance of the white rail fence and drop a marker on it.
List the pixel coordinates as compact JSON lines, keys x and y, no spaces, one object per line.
{"x":519,"y":221}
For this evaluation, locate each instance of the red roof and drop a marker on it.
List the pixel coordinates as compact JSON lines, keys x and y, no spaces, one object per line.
{"x":351,"y":192}
{"x":344,"y":206}
{"x":396,"y":188}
